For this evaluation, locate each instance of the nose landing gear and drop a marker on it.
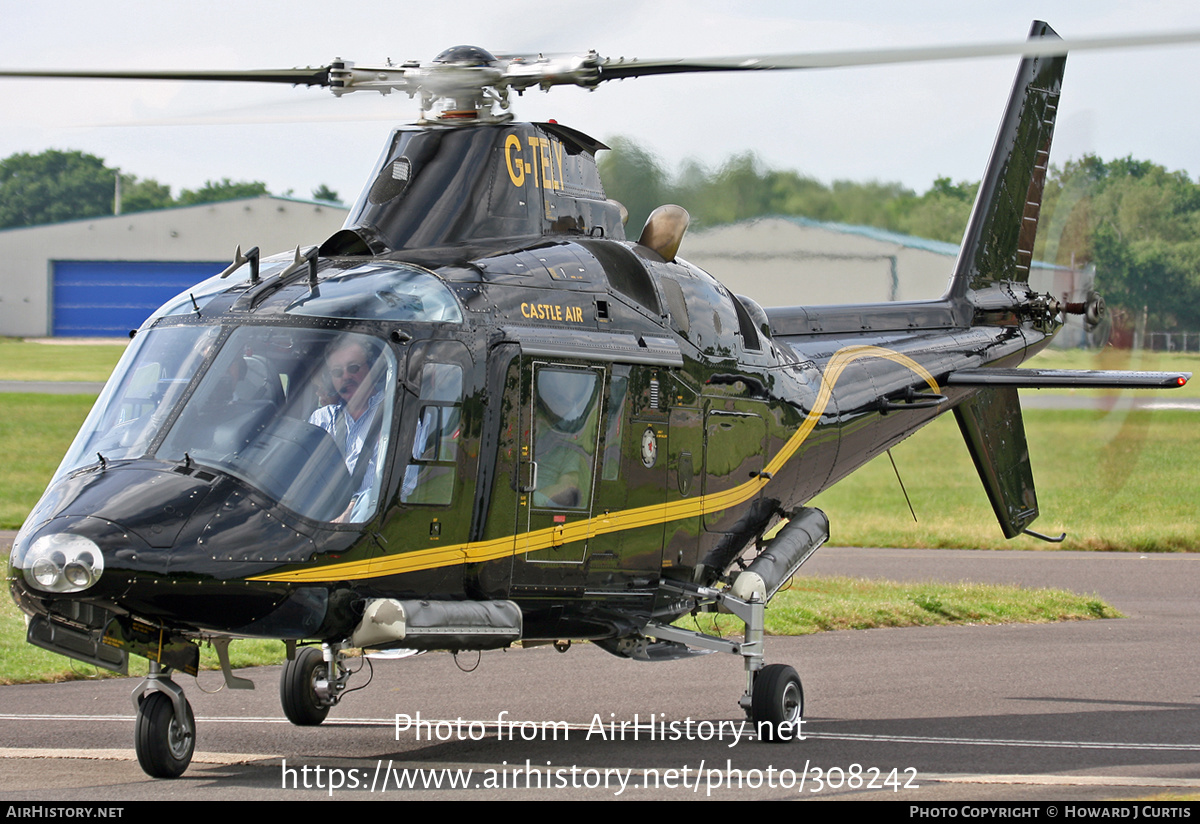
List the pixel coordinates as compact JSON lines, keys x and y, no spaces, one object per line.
{"x":305,"y":689}
{"x":165,"y":730}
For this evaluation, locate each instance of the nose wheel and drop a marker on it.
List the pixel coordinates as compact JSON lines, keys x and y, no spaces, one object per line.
{"x":165,"y":730}
{"x":298,"y":688}
{"x":306,"y":689}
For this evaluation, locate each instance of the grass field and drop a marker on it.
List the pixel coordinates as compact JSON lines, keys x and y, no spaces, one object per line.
{"x":1117,"y":480}
{"x":1121,"y":359}
{"x":821,"y":604}
{"x":35,"y":431}
{"x":1112,"y":481}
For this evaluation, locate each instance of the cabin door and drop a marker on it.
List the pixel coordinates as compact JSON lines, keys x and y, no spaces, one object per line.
{"x":558,"y":469}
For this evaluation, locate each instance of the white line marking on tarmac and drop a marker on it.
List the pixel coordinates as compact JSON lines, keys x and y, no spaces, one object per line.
{"x":1001,"y":742}
{"x":645,"y":731}
{"x":221,"y":758}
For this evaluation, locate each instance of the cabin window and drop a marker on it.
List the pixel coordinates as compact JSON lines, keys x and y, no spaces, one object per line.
{"x":303,"y":415}
{"x":147,"y":383}
{"x":566,"y":426}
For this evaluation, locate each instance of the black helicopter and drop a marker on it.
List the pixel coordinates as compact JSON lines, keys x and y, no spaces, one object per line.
{"x":478,"y":415}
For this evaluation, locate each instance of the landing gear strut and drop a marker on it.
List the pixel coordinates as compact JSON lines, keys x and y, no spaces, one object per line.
{"x":774,"y":697}
{"x":165,"y":730}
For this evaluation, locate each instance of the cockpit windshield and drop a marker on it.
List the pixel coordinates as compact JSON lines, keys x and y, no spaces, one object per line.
{"x":303,"y":415}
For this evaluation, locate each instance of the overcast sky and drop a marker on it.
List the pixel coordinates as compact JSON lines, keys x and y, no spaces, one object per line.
{"x":910,"y":123}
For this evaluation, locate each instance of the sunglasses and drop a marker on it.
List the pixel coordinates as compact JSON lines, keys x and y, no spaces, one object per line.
{"x":351,"y":368}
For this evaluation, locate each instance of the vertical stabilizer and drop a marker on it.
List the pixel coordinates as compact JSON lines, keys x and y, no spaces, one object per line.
{"x":998,"y":245}
{"x":994,"y":430}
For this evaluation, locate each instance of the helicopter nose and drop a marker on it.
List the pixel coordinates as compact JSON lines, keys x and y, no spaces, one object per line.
{"x":117,"y":521}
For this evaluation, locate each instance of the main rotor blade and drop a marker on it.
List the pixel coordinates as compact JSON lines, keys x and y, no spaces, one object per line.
{"x":1040,"y":47}
{"x":307,"y":77}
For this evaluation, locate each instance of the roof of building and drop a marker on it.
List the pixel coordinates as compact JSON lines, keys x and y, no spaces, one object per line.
{"x":181,"y":208}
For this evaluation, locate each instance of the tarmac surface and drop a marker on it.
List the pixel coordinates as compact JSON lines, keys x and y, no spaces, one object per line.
{"x":53,"y":387}
{"x":1080,"y":710}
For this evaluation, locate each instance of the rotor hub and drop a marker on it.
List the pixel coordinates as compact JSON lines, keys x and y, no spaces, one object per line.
{"x":466,"y":56}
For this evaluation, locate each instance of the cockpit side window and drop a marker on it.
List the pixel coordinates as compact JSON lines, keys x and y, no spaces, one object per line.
{"x":430,"y":475}
{"x":617,"y":390}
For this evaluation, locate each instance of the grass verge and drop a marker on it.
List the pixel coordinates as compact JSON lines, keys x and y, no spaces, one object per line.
{"x":35,"y":431}
{"x":823,"y":604}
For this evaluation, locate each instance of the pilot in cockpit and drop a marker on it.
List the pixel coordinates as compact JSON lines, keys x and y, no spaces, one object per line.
{"x":355,"y":371}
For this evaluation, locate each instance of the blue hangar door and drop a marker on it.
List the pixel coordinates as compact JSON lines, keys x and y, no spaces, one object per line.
{"x":104,"y":298}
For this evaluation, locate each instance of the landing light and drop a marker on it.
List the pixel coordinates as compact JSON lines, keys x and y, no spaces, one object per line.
{"x":63,"y":563}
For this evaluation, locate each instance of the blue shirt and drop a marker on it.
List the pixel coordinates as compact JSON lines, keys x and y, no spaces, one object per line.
{"x":350,"y":436}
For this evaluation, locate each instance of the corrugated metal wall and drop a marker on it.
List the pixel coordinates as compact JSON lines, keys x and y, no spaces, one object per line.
{"x":108,"y":298}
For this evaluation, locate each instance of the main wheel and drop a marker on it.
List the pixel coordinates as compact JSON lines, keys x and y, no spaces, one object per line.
{"x":298,"y":688}
{"x":164,"y":743}
{"x":777,"y":704}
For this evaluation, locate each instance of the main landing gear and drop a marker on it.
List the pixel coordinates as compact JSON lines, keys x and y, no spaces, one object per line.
{"x":776,"y":702}
{"x":774,"y":696}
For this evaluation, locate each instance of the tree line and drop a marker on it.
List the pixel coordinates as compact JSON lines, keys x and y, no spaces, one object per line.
{"x":55,"y":185}
{"x":1138,"y":223}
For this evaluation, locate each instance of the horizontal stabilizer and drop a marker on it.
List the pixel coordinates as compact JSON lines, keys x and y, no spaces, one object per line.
{"x":1068,"y":378}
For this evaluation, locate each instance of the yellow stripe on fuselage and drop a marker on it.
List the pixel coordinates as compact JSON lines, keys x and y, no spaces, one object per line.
{"x":497,"y":548}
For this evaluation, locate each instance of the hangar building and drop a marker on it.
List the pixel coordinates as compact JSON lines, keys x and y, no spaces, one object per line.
{"x":785,"y":261}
